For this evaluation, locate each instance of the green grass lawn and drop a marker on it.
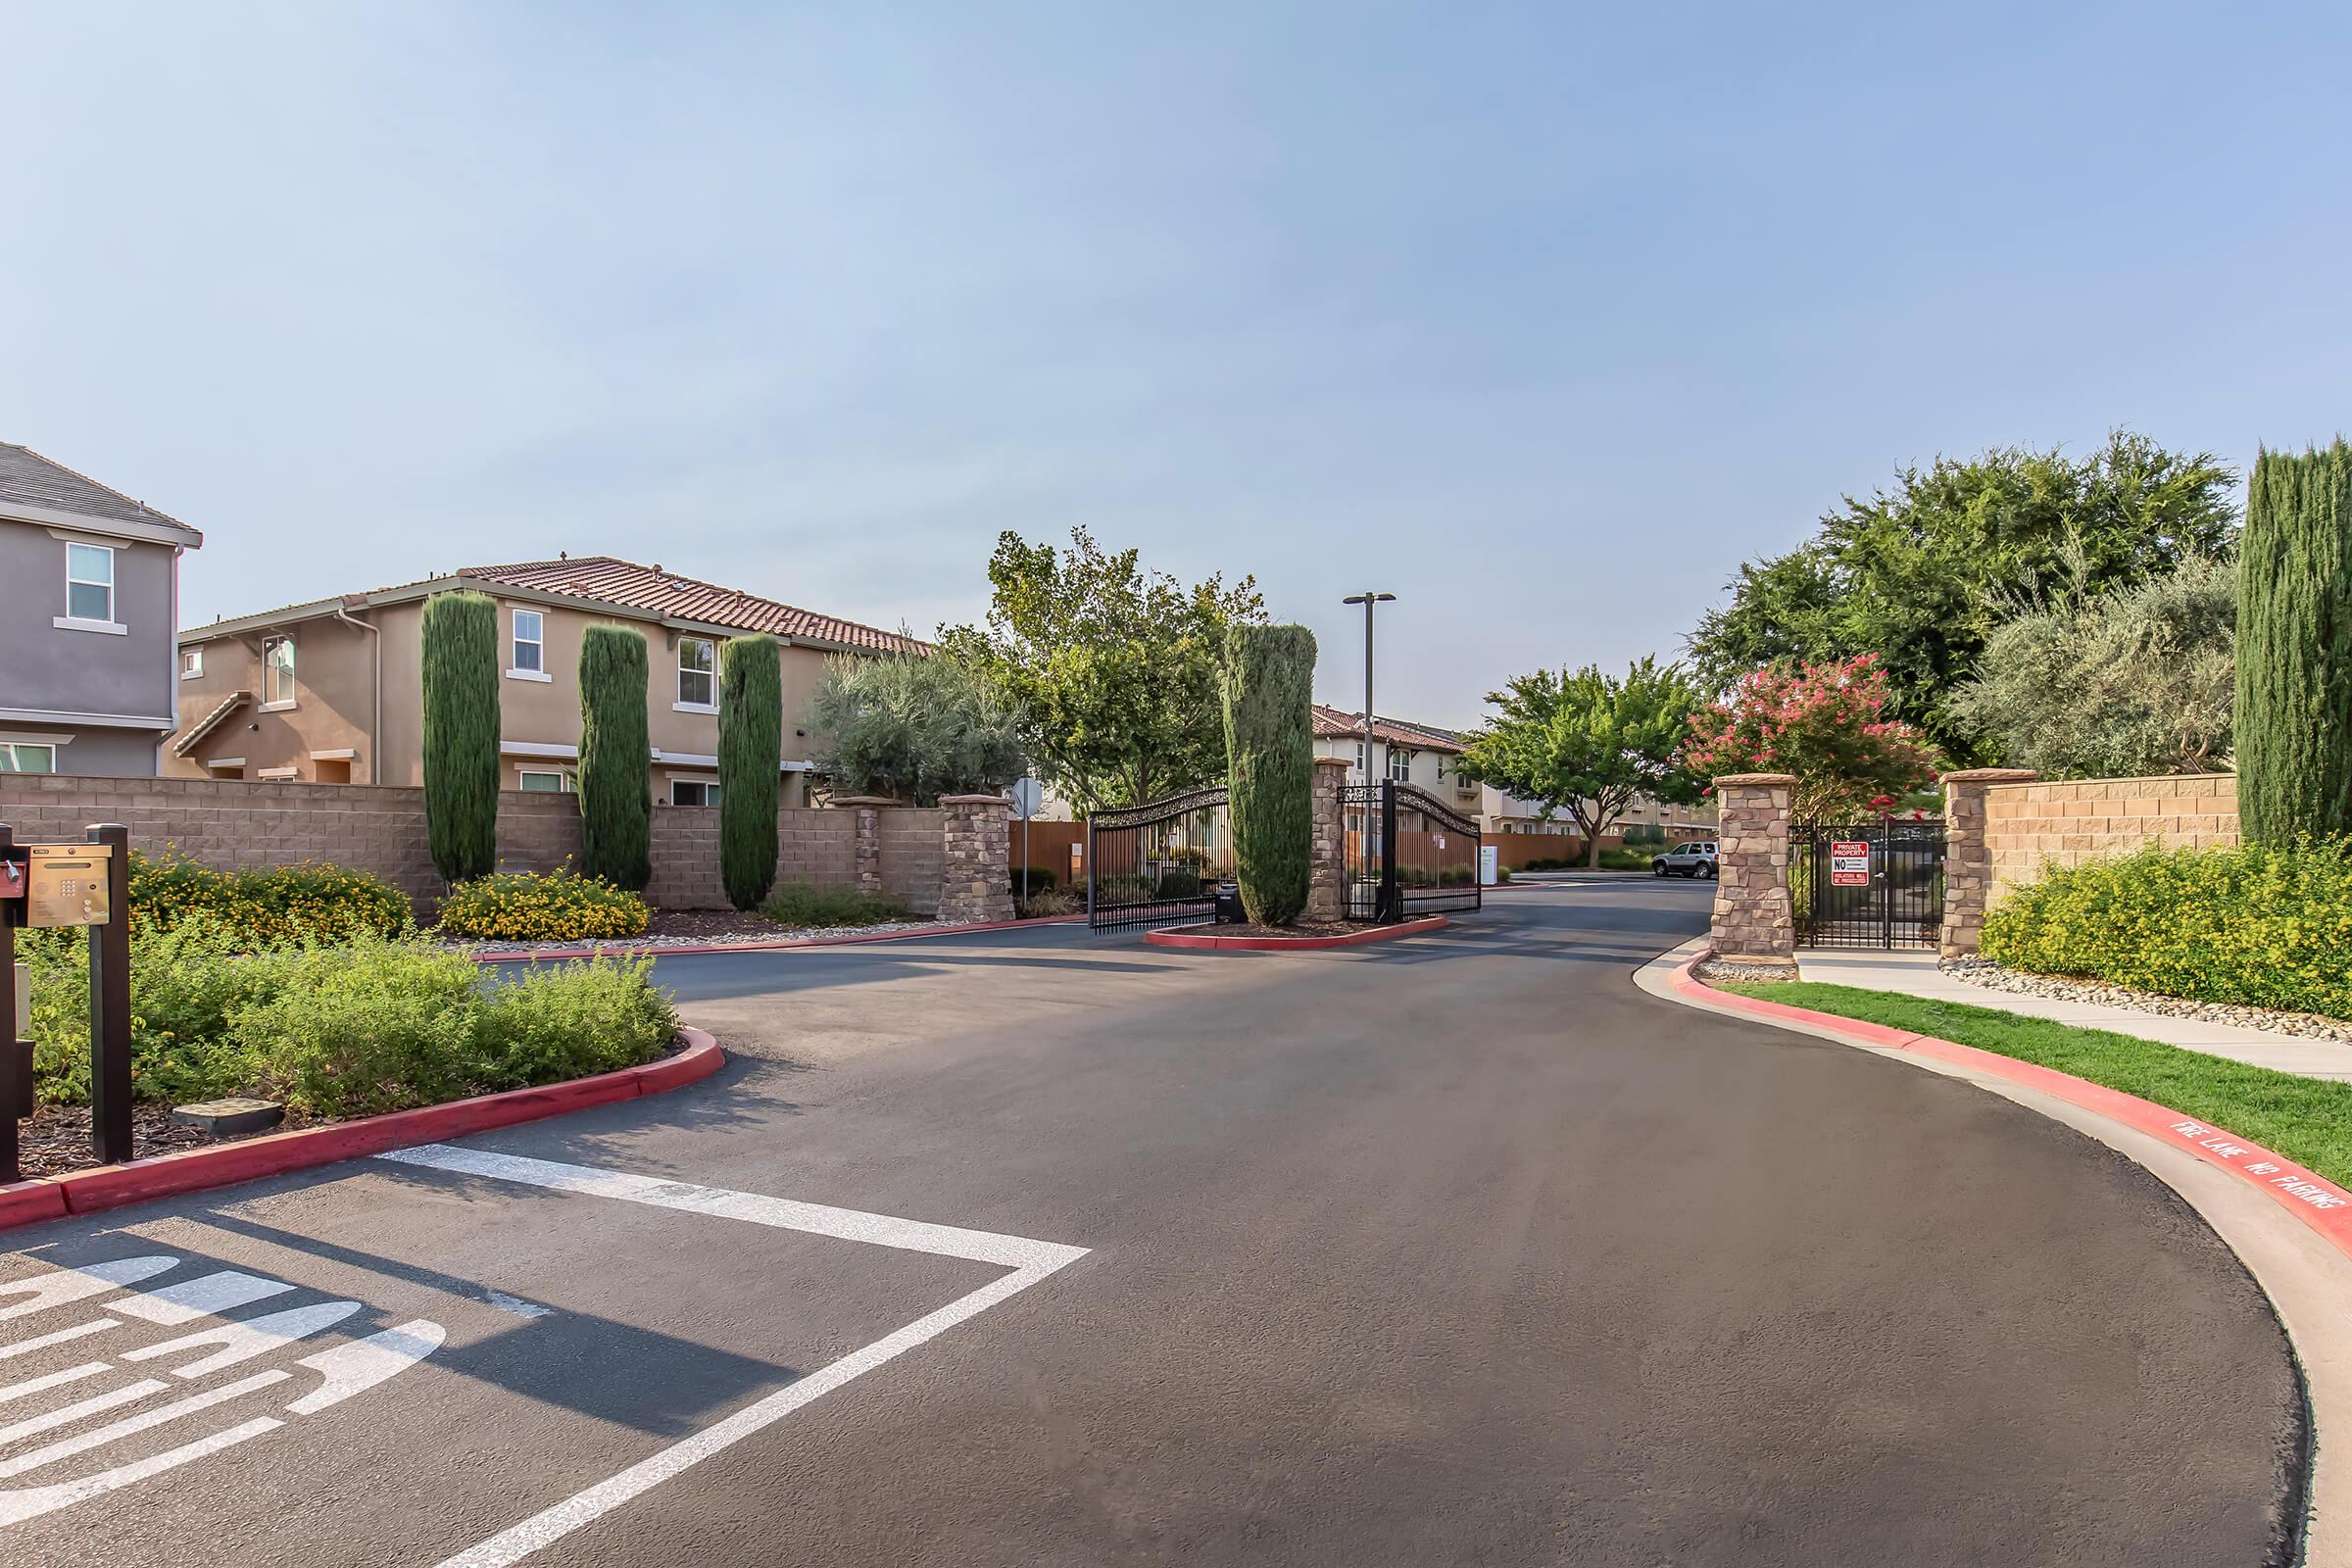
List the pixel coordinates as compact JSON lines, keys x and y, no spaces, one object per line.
{"x":2306,"y":1119}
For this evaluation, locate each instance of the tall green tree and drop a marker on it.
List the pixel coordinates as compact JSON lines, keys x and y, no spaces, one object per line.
{"x":912,"y":726}
{"x":459,"y":680}
{"x":1268,"y":682}
{"x":2132,"y":682}
{"x":751,"y":754}
{"x":2294,"y":647}
{"x":1589,"y":742}
{"x":1113,"y":669}
{"x":1920,"y":574}
{"x":617,"y":753}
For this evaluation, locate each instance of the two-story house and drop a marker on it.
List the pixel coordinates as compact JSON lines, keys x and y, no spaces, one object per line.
{"x":86,"y":653}
{"x":332,"y":691}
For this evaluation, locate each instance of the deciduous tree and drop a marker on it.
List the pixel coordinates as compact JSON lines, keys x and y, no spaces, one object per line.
{"x":913,"y":727}
{"x":1826,"y":724}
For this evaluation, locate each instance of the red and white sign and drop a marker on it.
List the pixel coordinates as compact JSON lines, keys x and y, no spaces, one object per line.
{"x":1849,"y":865}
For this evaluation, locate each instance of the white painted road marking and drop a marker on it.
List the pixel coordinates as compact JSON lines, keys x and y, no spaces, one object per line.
{"x":1030,"y":1261}
{"x":79,"y":1284}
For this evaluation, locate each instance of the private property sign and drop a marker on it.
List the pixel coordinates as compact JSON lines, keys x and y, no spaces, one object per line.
{"x":1849,"y":863}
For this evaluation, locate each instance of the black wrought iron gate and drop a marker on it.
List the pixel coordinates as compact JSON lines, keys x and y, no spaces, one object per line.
{"x":1158,"y":864}
{"x":1867,"y":884}
{"x":1407,"y":852}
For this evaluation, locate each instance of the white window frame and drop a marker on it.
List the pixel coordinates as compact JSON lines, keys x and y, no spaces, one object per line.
{"x":517,"y":642}
{"x":191,"y":664}
{"x":563,"y":781}
{"x":12,"y":744}
{"x":1393,"y":753}
{"x":708,"y":787}
{"x":107,"y":623}
{"x":278,"y":704}
{"x":684,"y":705}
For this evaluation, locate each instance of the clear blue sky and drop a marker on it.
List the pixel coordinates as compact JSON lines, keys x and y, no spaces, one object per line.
{"x":1542,"y":319}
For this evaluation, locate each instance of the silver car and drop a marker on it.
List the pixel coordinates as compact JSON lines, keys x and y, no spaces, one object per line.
{"x":1696,"y":857}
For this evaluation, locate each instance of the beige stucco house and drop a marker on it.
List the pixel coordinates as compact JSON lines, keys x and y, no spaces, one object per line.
{"x":330,"y":692}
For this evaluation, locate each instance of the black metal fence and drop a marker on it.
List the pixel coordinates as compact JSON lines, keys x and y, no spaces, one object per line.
{"x":1161,"y":863}
{"x":1867,"y":884}
{"x":1407,"y":853}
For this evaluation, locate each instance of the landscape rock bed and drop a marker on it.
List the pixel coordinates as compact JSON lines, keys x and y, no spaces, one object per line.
{"x":1713,"y":972}
{"x":2067,"y":988}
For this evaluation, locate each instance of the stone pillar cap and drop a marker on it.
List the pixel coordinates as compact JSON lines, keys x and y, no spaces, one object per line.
{"x":1333,"y":762}
{"x":1992,"y":775}
{"x":974,"y":799}
{"x":1722,"y":779}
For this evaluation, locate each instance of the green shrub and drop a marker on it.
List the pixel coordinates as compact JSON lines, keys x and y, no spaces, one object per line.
{"x":751,"y":752}
{"x":533,"y":906}
{"x":617,"y":792}
{"x":459,"y":652}
{"x":1041,"y":877}
{"x":804,"y":904}
{"x":2294,"y":647}
{"x":1268,"y":686}
{"x":368,"y":1025}
{"x":573,"y":1019}
{"x":263,"y":906}
{"x":2262,"y":925}
{"x":1182,"y":882}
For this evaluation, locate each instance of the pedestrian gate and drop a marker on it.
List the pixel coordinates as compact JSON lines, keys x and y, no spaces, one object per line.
{"x":1868,"y":884}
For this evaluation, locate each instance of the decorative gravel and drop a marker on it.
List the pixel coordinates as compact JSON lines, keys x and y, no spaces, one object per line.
{"x":2065,"y":988}
{"x":1713,"y":970}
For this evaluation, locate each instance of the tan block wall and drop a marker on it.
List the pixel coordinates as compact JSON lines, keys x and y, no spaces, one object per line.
{"x":2029,"y":825}
{"x":914,"y":857}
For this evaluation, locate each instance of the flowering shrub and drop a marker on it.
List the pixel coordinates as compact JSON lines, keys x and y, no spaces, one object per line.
{"x":2261,"y":926}
{"x":529,"y":906}
{"x":1822,"y":723}
{"x":265,"y":906}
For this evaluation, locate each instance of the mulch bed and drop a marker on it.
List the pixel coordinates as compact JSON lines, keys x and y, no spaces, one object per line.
{"x":57,"y":1139}
{"x":1302,"y":928}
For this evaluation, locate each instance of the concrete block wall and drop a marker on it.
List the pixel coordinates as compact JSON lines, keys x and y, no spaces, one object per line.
{"x":2028,"y":825}
{"x":913,"y":857}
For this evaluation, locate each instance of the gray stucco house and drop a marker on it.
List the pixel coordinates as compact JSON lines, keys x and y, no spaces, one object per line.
{"x":89,"y":658}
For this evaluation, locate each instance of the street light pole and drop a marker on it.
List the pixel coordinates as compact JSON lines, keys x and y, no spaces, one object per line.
{"x":1368,"y":600}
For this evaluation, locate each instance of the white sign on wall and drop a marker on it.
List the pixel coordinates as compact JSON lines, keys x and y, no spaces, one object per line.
{"x":1490,"y":866}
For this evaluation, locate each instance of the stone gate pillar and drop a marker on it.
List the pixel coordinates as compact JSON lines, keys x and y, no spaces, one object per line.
{"x":868,"y":845}
{"x":1753,"y":923}
{"x":976,"y":881}
{"x":1967,"y":858}
{"x":1327,"y":877}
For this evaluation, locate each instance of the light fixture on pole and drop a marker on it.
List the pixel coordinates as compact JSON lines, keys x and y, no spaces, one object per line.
{"x":1368,"y":600}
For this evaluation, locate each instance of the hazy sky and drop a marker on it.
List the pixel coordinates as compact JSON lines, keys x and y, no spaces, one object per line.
{"x":1541,"y":317}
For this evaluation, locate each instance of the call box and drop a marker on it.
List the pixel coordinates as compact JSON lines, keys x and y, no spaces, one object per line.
{"x":67,"y":884}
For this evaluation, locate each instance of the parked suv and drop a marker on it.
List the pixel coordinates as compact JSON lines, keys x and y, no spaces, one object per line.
{"x":1693,"y":859}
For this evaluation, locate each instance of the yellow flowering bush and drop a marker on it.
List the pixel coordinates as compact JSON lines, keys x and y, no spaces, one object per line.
{"x":2259,"y":925}
{"x":558,"y":906}
{"x":265,"y":907}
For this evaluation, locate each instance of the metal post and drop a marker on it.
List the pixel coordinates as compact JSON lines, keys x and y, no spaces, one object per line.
{"x":16,"y":1055}
{"x":1090,"y":870}
{"x":110,"y":1003}
{"x":1369,"y":601}
{"x":1392,"y":896}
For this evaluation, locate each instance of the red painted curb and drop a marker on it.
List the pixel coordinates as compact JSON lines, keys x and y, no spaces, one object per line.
{"x":195,"y":1170}
{"x":552,"y":955}
{"x":2310,"y":1196}
{"x":1179,"y":937}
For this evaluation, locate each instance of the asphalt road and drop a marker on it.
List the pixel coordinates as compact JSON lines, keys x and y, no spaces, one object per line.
{"x":1461,"y":1251}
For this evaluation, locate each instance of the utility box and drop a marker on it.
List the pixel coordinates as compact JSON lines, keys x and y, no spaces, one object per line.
{"x":1229,"y":905}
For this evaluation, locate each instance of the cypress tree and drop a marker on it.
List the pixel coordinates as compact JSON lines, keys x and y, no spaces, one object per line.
{"x":2294,"y":647}
{"x":751,"y":751}
{"x":459,"y":680}
{"x":617,"y":751}
{"x":1268,"y":682}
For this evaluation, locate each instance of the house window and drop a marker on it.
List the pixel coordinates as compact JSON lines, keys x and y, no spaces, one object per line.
{"x":191,"y":662}
{"x":546,"y":781}
{"x":693,"y":791}
{"x":28,"y":757}
{"x":1359,"y":756}
{"x":697,"y":672}
{"x":89,"y":582}
{"x":277,"y":673}
{"x":1440,"y":767}
{"x":530,"y":642}
{"x":1401,"y":763}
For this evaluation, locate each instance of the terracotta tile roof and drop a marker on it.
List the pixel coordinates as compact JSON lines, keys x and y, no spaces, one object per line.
{"x":1333,"y":725}
{"x":33,"y":480}
{"x":665,"y":593}
{"x":209,"y":723}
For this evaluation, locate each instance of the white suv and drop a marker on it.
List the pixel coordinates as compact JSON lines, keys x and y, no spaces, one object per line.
{"x":1693,"y":859}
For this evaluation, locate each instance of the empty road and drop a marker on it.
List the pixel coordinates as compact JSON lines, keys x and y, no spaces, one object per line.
{"x":1457,"y":1251}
